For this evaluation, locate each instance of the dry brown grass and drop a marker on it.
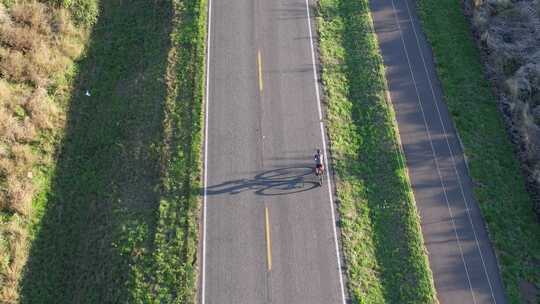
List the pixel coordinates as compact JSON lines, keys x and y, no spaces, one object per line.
{"x":13,"y":253}
{"x":19,"y":37}
{"x":43,"y":112}
{"x":32,"y":14}
{"x":13,"y":65}
{"x":37,"y":45}
{"x":19,"y":192}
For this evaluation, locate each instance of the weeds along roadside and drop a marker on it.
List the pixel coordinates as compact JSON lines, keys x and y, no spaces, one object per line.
{"x":39,"y":43}
{"x":120,"y":207}
{"x":181,"y":162}
{"x":499,"y":186}
{"x":382,"y":242}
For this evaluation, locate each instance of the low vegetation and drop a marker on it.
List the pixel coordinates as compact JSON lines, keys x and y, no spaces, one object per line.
{"x":508,"y":34}
{"x":38,"y":46}
{"x":175,"y":253}
{"x":100,"y":120}
{"x":385,"y":257}
{"x":121,"y":218}
{"x":499,"y":184}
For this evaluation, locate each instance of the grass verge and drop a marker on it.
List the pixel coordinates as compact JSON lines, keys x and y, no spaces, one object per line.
{"x":120,"y":222}
{"x":181,"y":163}
{"x":39,"y":43}
{"x":382,"y":242}
{"x":500,"y":186}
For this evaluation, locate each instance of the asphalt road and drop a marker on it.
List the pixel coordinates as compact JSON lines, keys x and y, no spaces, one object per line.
{"x":460,"y":255}
{"x":269,"y":233}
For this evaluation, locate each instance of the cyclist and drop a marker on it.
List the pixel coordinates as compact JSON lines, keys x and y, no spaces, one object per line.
{"x":319,"y":166}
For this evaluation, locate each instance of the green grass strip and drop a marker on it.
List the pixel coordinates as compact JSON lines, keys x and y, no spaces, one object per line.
{"x":177,"y":233}
{"x":500,"y":191}
{"x":382,"y":242}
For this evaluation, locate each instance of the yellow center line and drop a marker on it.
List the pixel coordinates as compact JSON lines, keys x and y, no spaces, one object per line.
{"x":268,"y":241}
{"x":259,"y":62}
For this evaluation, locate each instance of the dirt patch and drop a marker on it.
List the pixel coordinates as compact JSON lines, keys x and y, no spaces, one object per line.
{"x":508,"y":34}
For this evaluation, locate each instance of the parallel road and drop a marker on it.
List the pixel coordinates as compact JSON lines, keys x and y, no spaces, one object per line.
{"x":460,"y":255}
{"x":269,"y":232}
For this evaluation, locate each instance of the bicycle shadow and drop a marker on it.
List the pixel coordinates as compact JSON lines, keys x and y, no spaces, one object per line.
{"x":281,"y":181}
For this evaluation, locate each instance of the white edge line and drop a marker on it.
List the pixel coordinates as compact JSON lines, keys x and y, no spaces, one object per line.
{"x":208,"y":33}
{"x":324,"y":152}
{"x":434,"y":153}
{"x":452,"y":154}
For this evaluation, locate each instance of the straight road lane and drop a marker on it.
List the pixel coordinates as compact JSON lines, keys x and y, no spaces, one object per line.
{"x":269,"y":233}
{"x":461,"y":258}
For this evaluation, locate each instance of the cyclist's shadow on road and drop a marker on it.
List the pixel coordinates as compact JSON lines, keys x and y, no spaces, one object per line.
{"x":281,"y":181}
